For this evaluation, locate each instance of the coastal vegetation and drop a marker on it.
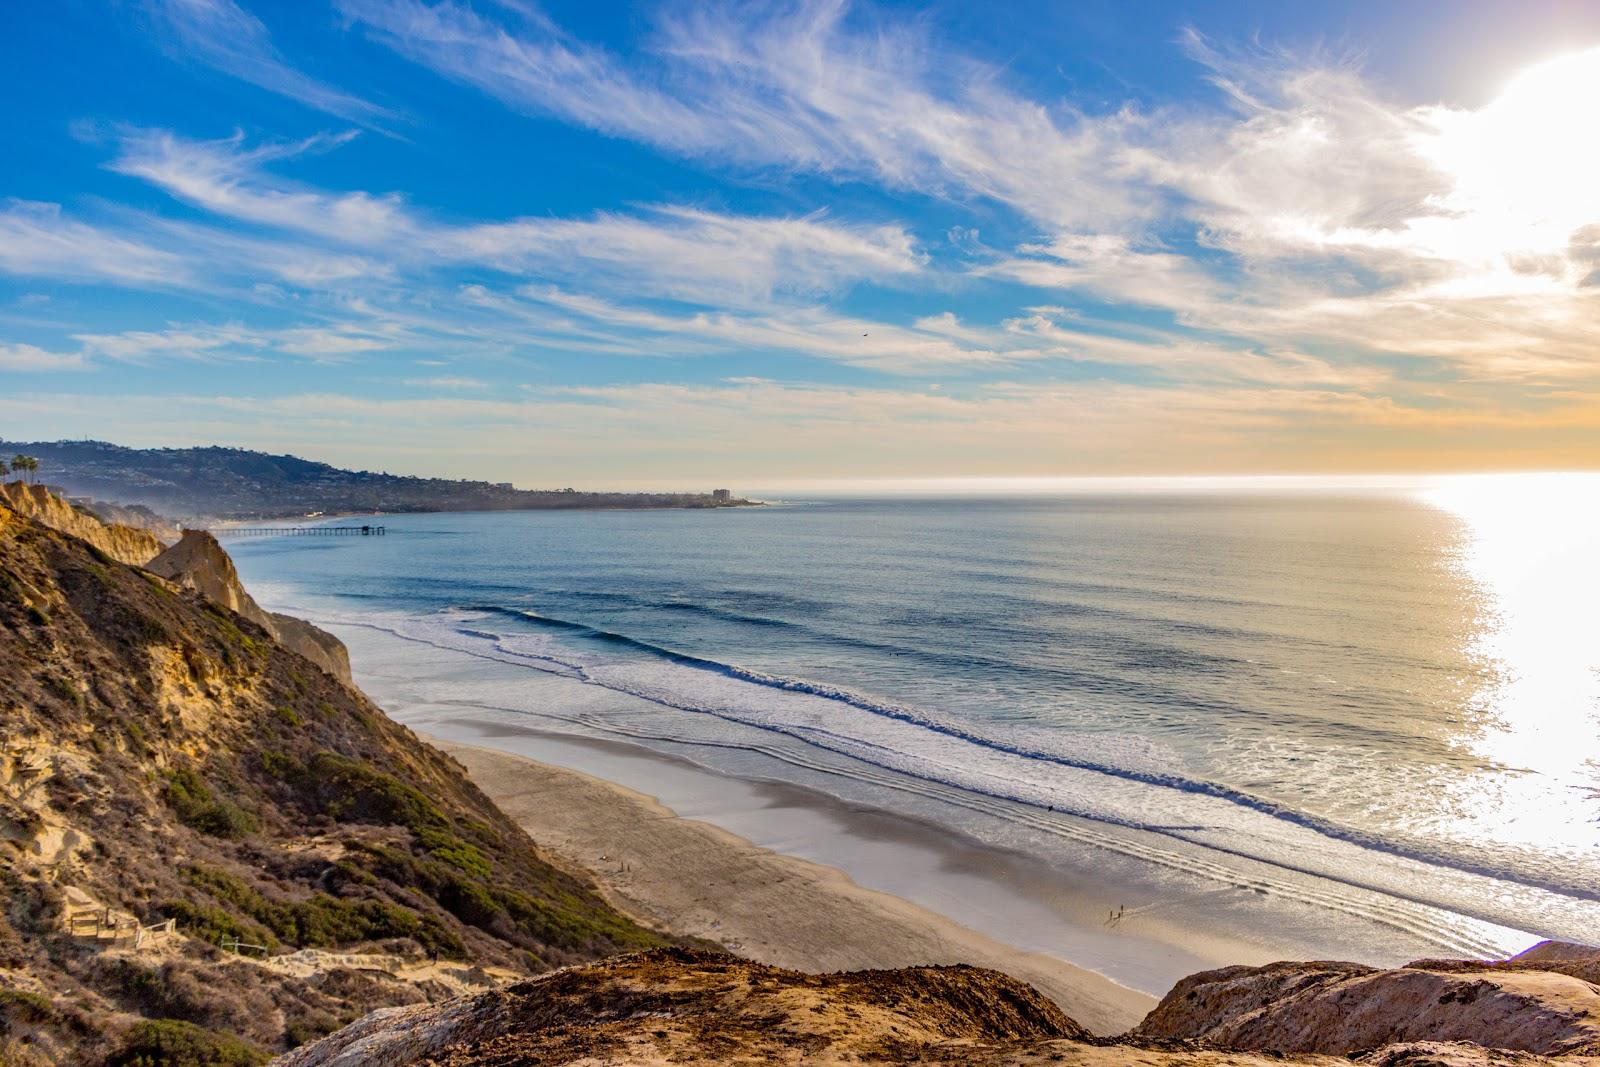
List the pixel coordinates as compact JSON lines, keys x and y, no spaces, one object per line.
{"x":165,"y":760}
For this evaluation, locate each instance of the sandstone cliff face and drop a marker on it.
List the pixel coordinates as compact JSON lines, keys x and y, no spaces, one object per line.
{"x":314,"y":643}
{"x":126,"y":544}
{"x":162,"y":759}
{"x":1339,"y":1007}
{"x":136,"y":516}
{"x":198,"y":562}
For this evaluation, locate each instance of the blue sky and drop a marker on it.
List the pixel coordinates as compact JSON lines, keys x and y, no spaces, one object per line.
{"x":804,"y":243}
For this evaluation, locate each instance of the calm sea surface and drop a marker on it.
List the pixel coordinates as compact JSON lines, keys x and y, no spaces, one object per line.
{"x":1383,"y":708}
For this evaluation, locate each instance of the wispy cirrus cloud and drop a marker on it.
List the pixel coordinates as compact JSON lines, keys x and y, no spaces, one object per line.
{"x":447,"y":381}
{"x":225,"y":36}
{"x":1289,"y":255}
{"x":25,"y":358}
{"x":232,"y":342}
{"x":37,"y":240}
{"x":811,"y":331}
{"x":665,"y":250}
{"x":794,"y":88}
{"x":1301,"y":205}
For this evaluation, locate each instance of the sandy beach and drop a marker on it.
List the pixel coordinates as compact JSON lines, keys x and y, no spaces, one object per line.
{"x":698,"y":879}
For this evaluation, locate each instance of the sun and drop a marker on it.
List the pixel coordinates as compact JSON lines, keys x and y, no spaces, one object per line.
{"x":1525,"y":164}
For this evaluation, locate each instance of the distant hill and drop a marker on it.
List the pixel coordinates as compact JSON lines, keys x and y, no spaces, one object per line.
{"x":234,"y":483}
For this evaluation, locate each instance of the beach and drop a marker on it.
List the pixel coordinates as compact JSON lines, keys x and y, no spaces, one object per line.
{"x":696,"y":879}
{"x":989,"y":729}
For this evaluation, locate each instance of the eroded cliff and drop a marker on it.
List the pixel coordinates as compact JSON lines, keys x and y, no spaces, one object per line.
{"x":205,"y":843}
{"x":198,"y":562}
{"x":126,"y":544}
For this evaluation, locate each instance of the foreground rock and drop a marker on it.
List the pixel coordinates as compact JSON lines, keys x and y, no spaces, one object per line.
{"x":1342,"y":1007}
{"x":198,"y":562}
{"x":682,"y":1006}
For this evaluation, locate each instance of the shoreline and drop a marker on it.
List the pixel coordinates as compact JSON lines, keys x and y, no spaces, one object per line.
{"x":1051,"y":908}
{"x":697,"y":879}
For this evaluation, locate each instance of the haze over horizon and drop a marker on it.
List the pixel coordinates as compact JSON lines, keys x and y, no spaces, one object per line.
{"x":803,"y":244}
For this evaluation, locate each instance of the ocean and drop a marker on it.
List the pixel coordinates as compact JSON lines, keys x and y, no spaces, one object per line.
{"x":1367,"y":722}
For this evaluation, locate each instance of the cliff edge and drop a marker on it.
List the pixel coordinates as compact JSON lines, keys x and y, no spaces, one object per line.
{"x":198,"y":562}
{"x":125,"y":544}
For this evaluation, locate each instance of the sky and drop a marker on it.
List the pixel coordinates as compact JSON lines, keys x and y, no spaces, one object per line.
{"x":673,"y":245}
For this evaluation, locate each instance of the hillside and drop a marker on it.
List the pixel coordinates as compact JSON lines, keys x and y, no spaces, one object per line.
{"x":162,"y":758}
{"x":233,"y":483}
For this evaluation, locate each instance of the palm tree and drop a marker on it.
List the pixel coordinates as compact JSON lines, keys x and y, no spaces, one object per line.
{"x":4,"y":470}
{"x":24,"y":465}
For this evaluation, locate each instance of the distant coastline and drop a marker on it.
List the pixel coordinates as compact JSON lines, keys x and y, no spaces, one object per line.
{"x":213,"y":485}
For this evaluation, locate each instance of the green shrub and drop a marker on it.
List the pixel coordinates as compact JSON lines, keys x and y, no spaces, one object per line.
{"x":216,"y":925}
{"x":449,"y":848}
{"x":158,"y":584}
{"x":352,"y":791}
{"x":25,"y":1006}
{"x":323,"y":921}
{"x":174,"y":1043}
{"x":63,"y":688}
{"x":192,"y":801}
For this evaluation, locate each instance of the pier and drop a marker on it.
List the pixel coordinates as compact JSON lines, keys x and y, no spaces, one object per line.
{"x":299,"y":531}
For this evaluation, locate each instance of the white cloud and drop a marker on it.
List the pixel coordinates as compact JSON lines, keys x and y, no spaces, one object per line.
{"x":1109,"y":267}
{"x":223,"y":177}
{"x":447,"y":381}
{"x":676,"y":252}
{"x":692,"y":254}
{"x":237,"y":342}
{"x":741,"y":431}
{"x":1308,"y":201}
{"x":36,"y":240}
{"x":795,"y":89}
{"x":17,"y":357}
{"x":223,"y":35}
{"x":811,"y":331}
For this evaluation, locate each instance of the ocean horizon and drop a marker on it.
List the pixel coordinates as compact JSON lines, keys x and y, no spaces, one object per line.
{"x":1344,"y":722}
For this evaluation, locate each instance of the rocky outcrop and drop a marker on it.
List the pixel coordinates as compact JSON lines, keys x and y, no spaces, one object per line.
{"x":126,"y":544}
{"x":1336,"y":1008}
{"x":198,"y":562}
{"x":681,"y":1005}
{"x":688,"y":1007}
{"x":314,"y":643}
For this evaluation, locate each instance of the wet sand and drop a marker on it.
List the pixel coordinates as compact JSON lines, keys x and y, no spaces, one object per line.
{"x":698,"y":879}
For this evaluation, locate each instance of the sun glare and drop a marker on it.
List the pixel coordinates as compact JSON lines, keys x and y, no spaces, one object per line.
{"x":1532,"y":547}
{"x":1525,"y":164}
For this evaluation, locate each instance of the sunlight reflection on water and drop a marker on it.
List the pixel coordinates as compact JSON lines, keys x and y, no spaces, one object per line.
{"x":1531,"y":546}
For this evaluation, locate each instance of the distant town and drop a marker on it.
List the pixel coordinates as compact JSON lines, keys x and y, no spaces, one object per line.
{"x":202,"y":484}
